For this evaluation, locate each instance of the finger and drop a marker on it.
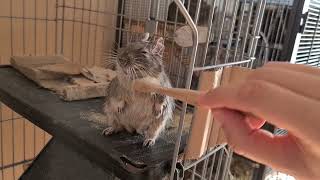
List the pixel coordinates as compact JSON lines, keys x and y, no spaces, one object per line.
{"x":277,"y":105}
{"x":289,"y":80}
{"x":294,"y":67}
{"x":259,"y":145}
{"x":254,"y":123}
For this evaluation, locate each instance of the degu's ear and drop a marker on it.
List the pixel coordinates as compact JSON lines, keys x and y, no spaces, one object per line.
{"x":157,"y":47}
{"x":145,"y":37}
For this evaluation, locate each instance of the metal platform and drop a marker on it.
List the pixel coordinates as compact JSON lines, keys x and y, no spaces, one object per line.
{"x":60,"y":162}
{"x":123,"y":154}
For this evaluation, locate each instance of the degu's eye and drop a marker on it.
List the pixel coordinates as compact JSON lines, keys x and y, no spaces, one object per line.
{"x":122,"y":60}
{"x":144,"y":52}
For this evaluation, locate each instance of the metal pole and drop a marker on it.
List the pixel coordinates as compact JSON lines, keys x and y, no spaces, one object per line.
{"x":294,"y":26}
{"x":209,"y":34}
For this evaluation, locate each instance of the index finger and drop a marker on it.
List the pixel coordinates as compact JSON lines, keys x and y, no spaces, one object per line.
{"x":294,"y":67}
{"x":290,"y":80}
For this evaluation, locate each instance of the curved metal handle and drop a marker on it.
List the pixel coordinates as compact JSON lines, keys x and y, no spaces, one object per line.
{"x":189,"y":20}
{"x":195,"y":37}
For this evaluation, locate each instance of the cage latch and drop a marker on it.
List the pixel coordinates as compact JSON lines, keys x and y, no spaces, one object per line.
{"x":303,"y":21}
{"x":179,"y":171}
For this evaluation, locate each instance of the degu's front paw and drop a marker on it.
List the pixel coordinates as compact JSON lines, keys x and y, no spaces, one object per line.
{"x":149,"y":142}
{"x":118,"y":106}
{"x":157,"y":97}
{"x":108,"y":131}
{"x":120,"y":109}
{"x":158,"y":110}
{"x":154,"y":97}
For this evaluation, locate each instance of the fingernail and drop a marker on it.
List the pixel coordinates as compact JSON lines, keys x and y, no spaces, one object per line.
{"x":218,"y":116}
{"x":202,"y":100}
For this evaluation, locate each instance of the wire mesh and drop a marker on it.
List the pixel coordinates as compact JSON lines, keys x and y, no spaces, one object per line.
{"x":275,"y":29}
{"x":21,"y":141}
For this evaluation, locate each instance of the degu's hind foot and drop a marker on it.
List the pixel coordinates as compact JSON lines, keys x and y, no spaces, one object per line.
{"x":107,"y":131}
{"x":110,"y":130}
{"x":149,"y":142}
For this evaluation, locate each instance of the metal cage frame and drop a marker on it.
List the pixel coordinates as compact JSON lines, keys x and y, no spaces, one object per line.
{"x":211,"y":155}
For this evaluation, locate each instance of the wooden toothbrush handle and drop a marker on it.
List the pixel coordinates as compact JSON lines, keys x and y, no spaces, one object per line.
{"x":185,"y":95}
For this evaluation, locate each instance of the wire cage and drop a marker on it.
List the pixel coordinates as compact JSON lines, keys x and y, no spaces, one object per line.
{"x":274,"y":31}
{"x":233,"y":28}
{"x":238,"y":33}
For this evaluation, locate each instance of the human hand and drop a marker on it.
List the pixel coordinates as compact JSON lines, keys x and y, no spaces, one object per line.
{"x":285,"y":95}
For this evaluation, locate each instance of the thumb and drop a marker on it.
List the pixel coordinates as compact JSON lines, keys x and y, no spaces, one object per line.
{"x":257,"y":144}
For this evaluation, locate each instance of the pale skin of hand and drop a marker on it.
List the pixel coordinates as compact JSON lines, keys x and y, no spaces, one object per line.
{"x":285,"y":95}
